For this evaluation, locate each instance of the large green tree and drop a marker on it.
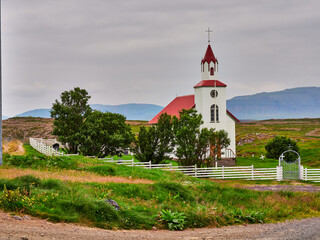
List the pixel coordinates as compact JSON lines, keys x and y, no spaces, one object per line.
{"x":69,"y":115}
{"x":154,"y":143}
{"x":105,"y":134}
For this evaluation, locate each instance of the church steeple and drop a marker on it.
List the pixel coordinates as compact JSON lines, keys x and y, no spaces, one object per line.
{"x":209,"y":64}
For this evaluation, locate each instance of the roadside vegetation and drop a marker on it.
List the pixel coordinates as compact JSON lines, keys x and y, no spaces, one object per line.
{"x":171,"y":200}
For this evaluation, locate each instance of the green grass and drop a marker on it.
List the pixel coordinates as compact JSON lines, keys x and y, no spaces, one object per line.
{"x":257,"y":162}
{"x":262,"y":131}
{"x":204,"y":203}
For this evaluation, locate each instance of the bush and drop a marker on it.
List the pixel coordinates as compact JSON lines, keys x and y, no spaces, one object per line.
{"x":39,"y":161}
{"x":278,"y":145}
{"x":173,"y":220}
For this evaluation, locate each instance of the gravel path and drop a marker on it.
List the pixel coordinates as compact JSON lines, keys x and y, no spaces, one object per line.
{"x":27,"y":229}
{"x":293,"y":188}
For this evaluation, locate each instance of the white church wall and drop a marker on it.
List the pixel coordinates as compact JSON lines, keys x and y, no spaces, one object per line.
{"x":204,"y":101}
{"x":231,"y":129}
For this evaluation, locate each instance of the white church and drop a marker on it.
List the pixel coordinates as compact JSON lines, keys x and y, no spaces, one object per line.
{"x":209,"y":100}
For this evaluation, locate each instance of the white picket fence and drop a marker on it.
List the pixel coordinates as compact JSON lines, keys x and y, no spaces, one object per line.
{"x":310,"y":174}
{"x":247,"y":173}
{"x":42,"y":147}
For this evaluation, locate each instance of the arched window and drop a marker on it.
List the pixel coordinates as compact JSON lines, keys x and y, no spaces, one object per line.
{"x":214,"y":113}
{"x":211,"y":71}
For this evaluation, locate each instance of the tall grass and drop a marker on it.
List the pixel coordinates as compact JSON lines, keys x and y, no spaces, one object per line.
{"x":204,"y":203}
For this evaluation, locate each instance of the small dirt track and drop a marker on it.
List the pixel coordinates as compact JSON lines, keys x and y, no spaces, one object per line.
{"x":11,"y":228}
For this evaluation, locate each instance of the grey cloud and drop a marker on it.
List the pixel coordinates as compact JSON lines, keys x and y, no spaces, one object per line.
{"x":149,"y":51}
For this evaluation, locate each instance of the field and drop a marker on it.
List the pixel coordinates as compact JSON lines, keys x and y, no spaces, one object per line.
{"x":76,"y":189}
{"x":252,"y":137}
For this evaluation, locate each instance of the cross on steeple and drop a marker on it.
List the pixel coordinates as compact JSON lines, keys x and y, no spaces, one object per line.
{"x":208,"y":31}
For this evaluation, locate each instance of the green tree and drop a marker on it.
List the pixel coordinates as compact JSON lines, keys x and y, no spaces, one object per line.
{"x":69,"y":115}
{"x":218,"y":140}
{"x":193,"y":143}
{"x":152,"y":144}
{"x":276,"y":146}
{"x":105,"y":134}
{"x":187,"y":130}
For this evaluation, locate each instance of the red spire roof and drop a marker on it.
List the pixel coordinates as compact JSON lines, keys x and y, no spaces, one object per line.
{"x":209,"y":56}
{"x":173,"y":108}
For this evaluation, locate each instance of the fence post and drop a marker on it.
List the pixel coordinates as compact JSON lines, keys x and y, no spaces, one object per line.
{"x":216,"y":163}
{"x":170,"y":166}
{"x":195,"y":170}
{"x":252,"y":173}
{"x":149,"y":164}
{"x":301,"y":177}
{"x":306,"y":174}
{"x":132,"y":162}
{"x":279,"y":173}
{"x":222,"y":172}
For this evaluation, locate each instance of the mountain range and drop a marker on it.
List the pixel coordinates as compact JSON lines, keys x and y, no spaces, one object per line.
{"x":133,"y":111}
{"x":303,"y":102}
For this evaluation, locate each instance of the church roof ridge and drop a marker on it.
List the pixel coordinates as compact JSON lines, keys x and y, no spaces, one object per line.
{"x":210,"y":83}
{"x":209,"y":56}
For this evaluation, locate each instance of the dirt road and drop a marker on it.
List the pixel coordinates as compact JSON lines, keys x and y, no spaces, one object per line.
{"x":12,"y":228}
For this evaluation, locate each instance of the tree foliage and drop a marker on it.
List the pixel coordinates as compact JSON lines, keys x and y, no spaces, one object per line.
{"x":187,"y":131}
{"x":69,"y":115}
{"x":105,"y":134}
{"x":80,"y":128}
{"x":276,"y":146}
{"x":152,"y":144}
{"x":193,"y":143}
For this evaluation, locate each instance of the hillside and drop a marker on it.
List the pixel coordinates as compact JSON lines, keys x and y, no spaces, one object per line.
{"x":24,"y":127}
{"x":132,"y":111}
{"x":291,"y":103}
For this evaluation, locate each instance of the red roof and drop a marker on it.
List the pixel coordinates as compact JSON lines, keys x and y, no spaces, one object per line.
{"x":173,"y":108}
{"x":179,"y":103}
{"x":209,"y":56}
{"x":210,"y":83}
{"x":231,"y":115}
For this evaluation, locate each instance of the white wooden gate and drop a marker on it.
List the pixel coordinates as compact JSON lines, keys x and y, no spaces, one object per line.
{"x":290,"y":169}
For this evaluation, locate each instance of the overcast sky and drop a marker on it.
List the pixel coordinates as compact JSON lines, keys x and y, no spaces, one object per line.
{"x":149,"y":51}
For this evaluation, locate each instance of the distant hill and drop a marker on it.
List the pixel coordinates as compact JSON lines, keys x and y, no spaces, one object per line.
{"x":133,"y":111}
{"x":43,"y":113}
{"x":301,"y":102}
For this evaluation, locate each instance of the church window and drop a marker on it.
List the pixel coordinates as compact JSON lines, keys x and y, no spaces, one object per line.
{"x":212,"y":71}
{"x":214,"y":93}
{"x":214,"y":113}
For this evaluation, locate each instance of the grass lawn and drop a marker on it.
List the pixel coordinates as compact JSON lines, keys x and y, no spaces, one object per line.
{"x":257,"y":162}
{"x":204,"y":203}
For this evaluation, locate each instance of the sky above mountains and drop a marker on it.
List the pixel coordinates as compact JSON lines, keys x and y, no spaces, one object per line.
{"x":150,"y":51}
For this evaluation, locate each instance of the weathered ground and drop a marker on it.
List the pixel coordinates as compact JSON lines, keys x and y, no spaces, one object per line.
{"x":70,"y":175}
{"x":24,"y":127}
{"x":12,"y":228}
